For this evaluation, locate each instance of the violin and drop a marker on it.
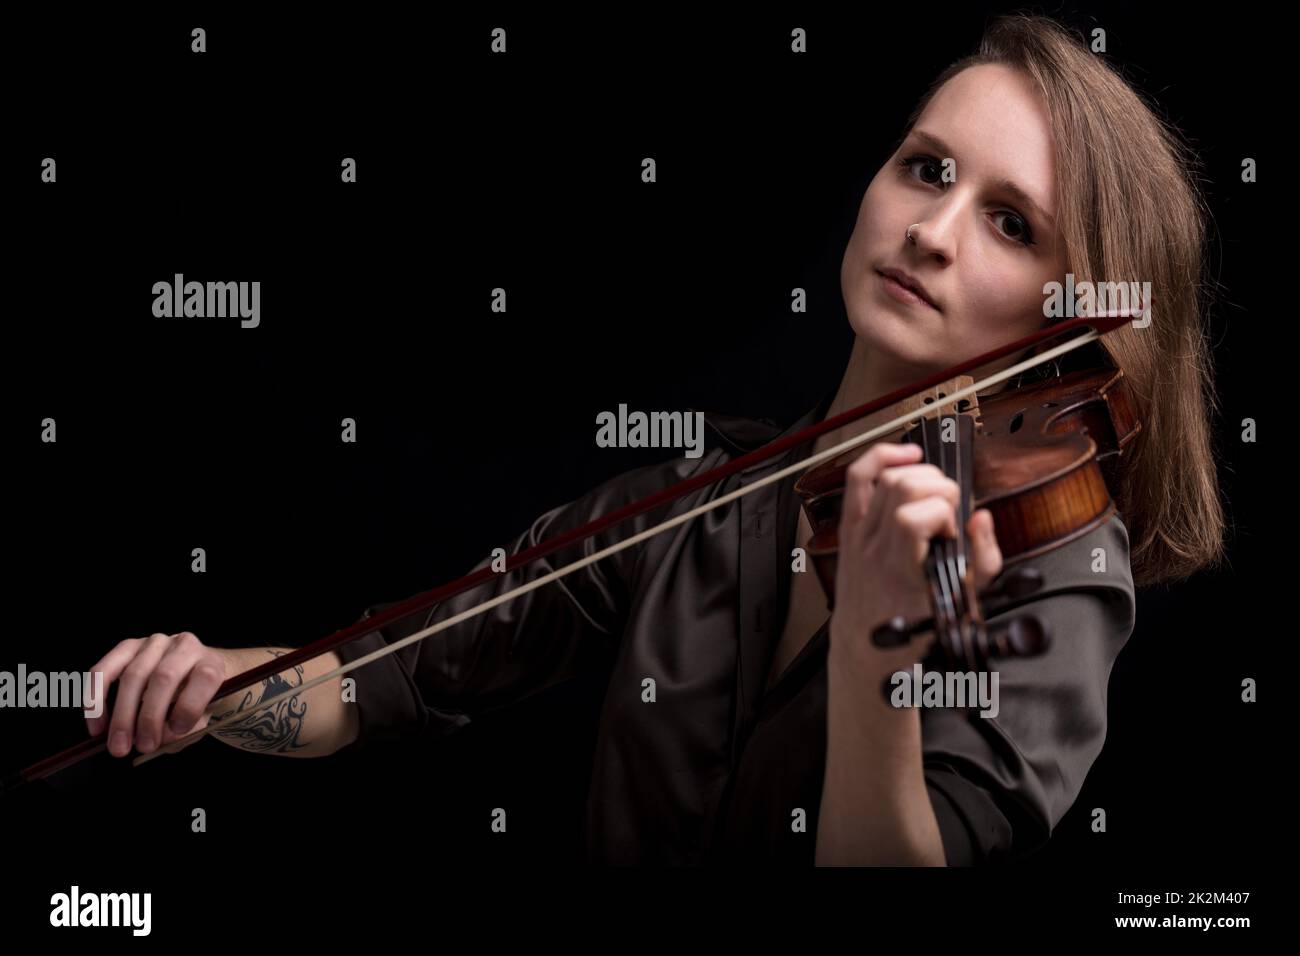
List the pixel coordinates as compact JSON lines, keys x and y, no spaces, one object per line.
{"x":1035,"y":457}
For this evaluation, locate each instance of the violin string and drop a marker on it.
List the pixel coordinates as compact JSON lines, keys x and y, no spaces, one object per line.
{"x":939,"y":557}
{"x":812,"y":460}
{"x":936,"y":559}
{"x":970,"y":609}
{"x":954,"y":549}
{"x":951,"y":546}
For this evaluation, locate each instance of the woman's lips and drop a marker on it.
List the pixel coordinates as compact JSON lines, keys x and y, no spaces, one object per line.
{"x":901,"y":292}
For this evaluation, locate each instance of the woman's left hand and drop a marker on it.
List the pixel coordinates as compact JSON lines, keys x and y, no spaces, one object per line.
{"x":875,"y":806}
{"x":892,"y":507}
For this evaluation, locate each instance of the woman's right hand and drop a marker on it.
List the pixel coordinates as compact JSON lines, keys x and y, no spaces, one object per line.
{"x":165,"y":684}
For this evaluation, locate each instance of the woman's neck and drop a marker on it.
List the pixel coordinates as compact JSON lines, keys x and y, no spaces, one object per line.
{"x":867,"y":376}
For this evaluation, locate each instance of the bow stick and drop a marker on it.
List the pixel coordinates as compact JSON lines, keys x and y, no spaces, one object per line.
{"x":1095,"y":326}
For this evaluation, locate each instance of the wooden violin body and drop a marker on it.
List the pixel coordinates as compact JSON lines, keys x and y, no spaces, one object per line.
{"x":1041,"y":461}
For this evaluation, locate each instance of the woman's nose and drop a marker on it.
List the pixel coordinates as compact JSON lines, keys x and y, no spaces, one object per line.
{"x":932,"y":234}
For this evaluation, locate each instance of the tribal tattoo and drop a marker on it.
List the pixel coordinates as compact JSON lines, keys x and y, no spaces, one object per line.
{"x":275,"y":729}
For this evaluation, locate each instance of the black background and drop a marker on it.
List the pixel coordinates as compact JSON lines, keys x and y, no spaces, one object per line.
{"x":520,"y":171}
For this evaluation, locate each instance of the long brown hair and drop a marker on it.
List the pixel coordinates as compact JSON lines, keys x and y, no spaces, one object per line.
{"x":1130,"y":209}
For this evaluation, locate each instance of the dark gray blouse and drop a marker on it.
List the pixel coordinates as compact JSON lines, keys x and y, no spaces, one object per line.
{"x":714,"y":769}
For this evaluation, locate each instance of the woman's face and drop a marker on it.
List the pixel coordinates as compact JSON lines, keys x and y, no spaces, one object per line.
{"x":969,"y":252}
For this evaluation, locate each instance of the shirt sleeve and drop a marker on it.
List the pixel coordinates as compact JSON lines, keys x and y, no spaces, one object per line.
{"x":522,"y":646}
{"x":1000,"y":784}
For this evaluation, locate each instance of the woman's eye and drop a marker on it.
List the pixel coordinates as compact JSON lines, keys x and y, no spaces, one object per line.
{"x":1019,"y":230}
{"x":930,"y":164}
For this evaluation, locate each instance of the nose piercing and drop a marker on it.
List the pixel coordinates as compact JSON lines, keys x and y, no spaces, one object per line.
{"x":909,"y":232}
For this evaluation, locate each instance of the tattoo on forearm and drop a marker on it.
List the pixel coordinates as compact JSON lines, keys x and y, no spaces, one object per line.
{"x":276,"y":728}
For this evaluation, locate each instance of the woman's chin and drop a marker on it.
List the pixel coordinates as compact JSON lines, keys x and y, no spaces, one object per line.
{"x":899,"y":340}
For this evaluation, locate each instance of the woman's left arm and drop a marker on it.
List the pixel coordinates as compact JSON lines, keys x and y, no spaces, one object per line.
{"x":945,"y":785}
{"x":875,"y":806}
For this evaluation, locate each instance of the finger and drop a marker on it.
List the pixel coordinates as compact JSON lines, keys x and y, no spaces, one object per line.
{"x":985,"y":553}
{"x":192,"y":703}
{"x":920,"y":521}
{"x":172,"y":668}
{"x":111,"y":665}
{"x":121,"y":729}
{"x":170,"y":736}
{"x":860,"y":477}
{"x":898,"y":486}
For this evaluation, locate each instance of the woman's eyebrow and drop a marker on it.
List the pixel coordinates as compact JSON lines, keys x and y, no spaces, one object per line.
{"x":1006,"y":185}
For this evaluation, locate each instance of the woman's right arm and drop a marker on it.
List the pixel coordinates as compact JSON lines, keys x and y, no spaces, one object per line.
{"x":165,"y":690}
{"x":487,"y":662}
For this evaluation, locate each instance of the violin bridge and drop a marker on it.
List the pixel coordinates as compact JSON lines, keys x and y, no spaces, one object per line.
{"x":936,"y":403}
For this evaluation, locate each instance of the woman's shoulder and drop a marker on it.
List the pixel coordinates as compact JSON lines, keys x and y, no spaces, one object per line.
{"x":1095,"y":562}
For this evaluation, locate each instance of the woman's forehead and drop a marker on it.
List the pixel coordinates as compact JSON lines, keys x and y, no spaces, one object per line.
{"x":991,"y":121}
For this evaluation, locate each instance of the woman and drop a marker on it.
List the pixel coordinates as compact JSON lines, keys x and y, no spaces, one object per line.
{"x":736,"y":724}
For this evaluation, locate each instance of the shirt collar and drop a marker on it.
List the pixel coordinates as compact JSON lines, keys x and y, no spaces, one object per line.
{"x":768,"y":525}
{"x":742,"y":435}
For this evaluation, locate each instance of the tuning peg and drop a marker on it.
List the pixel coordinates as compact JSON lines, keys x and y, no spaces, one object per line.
{"x":1010,"y":590}
{"x":1015,"y":584}
{"x":896,"y":631}
{"x":1023,"y":636}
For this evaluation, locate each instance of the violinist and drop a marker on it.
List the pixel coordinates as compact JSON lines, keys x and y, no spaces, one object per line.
{"x":743,"y":718}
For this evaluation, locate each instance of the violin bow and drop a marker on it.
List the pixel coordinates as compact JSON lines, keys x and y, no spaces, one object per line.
{"x":1095,"y":327}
